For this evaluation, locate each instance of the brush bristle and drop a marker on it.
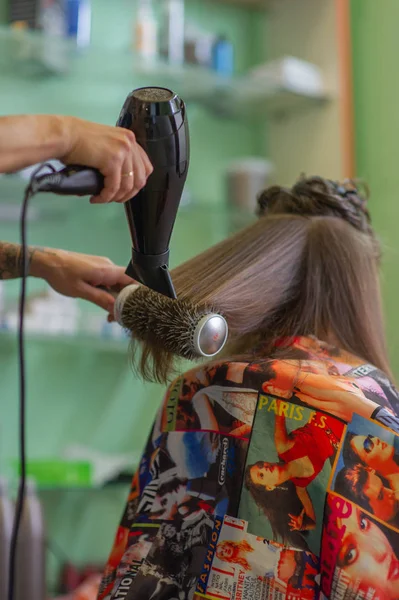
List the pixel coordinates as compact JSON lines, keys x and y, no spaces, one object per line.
{"x":152,"y":317}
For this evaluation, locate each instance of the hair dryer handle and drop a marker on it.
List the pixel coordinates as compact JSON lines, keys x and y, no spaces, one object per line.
{"x":74,"y":180}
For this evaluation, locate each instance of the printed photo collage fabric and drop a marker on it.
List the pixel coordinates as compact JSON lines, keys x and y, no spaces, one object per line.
{"x":269,"y":480}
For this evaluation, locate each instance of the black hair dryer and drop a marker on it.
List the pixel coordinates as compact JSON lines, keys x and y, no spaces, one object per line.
{"x":157,"y":116}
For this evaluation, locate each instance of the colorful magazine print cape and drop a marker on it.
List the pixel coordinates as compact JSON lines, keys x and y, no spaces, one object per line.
{"x":270,"y":480}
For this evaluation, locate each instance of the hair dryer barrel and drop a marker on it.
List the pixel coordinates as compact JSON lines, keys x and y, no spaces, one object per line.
{"x":157,"y":117}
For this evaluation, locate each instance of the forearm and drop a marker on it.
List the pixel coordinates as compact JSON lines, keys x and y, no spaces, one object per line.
{"x":11,"y":260}
{"x":30,"y":139}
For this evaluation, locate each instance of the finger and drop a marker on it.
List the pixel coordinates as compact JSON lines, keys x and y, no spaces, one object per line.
{"x":97,"y":296}
{"x":128,"y":179}
{"x":112,"y":184}
{"x":112,"y":276}
{"x":140,"y":172}
{"x":147,"y":163}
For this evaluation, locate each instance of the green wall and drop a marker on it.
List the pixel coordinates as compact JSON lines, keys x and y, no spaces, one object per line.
{"x":376,"y":84}
{"x":85,"y":393}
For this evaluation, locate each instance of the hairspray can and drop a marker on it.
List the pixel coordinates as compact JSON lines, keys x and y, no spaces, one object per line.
{"x":6,"y":524}
{"x":30,"y":576}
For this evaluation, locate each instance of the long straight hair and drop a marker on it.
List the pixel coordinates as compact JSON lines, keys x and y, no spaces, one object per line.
{"x":287,"y":275}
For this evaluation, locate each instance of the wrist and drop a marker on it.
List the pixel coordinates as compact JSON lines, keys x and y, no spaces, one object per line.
{"x":42,"y":261}
{"x":67,"y":127}
{"x":61,"y":134}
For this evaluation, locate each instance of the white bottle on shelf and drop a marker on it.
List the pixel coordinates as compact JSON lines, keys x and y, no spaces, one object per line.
{"x":146,"y":31}
{"x":172,"y":32}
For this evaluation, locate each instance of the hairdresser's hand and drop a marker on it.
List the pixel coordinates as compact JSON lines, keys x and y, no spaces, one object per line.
{"x":30,"y":139}
{"x":113,"y":151}
{"x":79,"y":275}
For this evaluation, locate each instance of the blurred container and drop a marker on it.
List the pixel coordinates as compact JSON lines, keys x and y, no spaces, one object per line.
{"x":66,"y":18}
{"x":52,"y":21}
{"x":291,"y":73}
{"x":198,"y":46}
{"x":245,"y":179}
{"x":23,"y":10}
{"x":223,"y":56}
{"x":6,"y":524}
{"x":146,"y":31}
{"x":31,"y":556}
{"x":78,"y":21}
{"x":172,"y":32}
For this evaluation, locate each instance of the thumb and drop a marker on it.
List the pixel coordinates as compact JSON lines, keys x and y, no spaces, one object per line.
{"x":97,"y":296}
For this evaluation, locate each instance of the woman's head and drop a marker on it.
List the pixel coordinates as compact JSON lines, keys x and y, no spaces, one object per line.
{"x":234,"y":552}
{"x":225,"y":551}
{"x":366,"y":555}
{"x":369,"y":450}
{"x":308,"y":266}
{"x":264,"y":475}
{"x":364,"y":487}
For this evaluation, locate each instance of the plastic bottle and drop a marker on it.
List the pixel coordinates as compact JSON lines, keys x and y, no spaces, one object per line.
{"x":78,"y":21}
{"x":146,"y":31}
{"x":223,"y":57}
{"x":30,"y":581}
{"x":54,"y":54}
{"x":172,"y":32}
{"x":6,"y":524}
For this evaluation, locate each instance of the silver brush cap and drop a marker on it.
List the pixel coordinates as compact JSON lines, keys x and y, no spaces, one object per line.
{"x":210,"y":335}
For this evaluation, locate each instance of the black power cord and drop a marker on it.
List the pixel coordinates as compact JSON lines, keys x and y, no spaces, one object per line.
{"x":29,"y":192}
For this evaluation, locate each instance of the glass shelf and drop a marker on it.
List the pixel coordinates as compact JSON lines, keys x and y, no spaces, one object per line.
{"x":31,"y":56}
{"x":94,"y":343}
{"x":83,"y":490}
{"x":249,"y":4}
{"x":111,"y":485}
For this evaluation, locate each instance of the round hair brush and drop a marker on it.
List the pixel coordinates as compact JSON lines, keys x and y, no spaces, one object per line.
{"x":179,"y":326}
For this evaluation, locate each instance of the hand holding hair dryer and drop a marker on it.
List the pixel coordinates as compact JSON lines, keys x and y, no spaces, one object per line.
{"x":157,"y":117}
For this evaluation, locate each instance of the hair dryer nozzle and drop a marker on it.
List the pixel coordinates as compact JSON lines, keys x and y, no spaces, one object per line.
{"x":152,"y":271}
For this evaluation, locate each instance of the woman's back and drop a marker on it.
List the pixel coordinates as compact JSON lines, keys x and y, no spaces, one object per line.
{"x":267,"y":479}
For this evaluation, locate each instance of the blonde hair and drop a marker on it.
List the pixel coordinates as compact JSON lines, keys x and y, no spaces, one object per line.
{"x":308,"y":266}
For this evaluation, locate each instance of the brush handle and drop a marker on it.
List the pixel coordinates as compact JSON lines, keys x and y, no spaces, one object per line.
{"x":120,"y":296}
{"x":121,"y":299}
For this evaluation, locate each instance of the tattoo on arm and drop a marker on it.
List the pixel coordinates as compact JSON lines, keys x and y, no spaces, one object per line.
{"x":11,"y":260}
